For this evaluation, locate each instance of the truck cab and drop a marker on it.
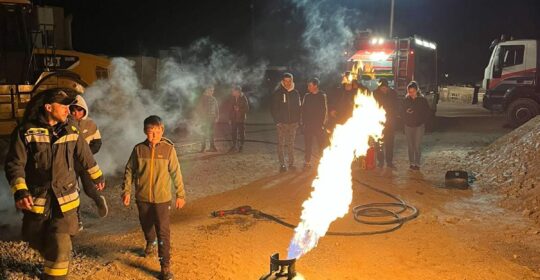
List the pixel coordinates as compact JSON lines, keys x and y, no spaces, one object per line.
{"x":400,"y":61}
{"x":511,"y":80}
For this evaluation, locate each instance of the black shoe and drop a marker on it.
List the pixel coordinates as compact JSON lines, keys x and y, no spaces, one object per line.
{"x":150,"y":249}
{"x":283,"y":168}
{"x":166,"y":274}
{"x":101,"y":204}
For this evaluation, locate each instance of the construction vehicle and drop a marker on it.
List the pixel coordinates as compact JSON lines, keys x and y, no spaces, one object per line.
{"x":399,"y":60}
{"x":511,"y":80}
{"x":35,"y":54}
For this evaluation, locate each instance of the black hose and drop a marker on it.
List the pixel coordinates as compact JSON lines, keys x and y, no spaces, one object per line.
{"x":396,"y":217}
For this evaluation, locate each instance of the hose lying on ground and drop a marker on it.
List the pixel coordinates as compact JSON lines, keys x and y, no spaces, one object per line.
{"x":395,"y":213}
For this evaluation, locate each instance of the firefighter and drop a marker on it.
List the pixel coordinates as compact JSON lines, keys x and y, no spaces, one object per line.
{"x":90,"y":133}
{"x":40,"y":169}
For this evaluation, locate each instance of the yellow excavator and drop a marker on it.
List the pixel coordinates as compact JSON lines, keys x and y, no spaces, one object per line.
{"x":36,"y":54}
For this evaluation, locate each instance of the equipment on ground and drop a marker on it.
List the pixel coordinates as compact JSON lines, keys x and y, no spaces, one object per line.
{"x":456,"y":180}
{"x":282,"y":269}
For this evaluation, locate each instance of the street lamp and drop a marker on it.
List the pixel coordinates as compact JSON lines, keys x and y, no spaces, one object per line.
{"x":391,"y":19}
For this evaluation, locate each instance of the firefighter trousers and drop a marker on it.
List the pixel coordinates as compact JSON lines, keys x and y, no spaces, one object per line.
{"x":51,"y":237}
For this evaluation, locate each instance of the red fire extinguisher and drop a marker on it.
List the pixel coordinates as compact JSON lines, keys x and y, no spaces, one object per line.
{"x":370,"y":158}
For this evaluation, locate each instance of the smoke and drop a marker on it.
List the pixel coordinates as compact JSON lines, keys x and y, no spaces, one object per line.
{"x":120,"y":104}
{"x":7,"y":207}
{"x":327,"y":35}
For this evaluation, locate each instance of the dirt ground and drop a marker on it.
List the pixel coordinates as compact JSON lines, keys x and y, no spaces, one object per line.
{"x":458,"y":235}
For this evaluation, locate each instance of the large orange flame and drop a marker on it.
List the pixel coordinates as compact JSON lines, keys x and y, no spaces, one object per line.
{"x":332,"y":188}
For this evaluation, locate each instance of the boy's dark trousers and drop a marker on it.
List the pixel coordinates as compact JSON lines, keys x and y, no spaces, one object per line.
{"x":155,"y":223}
{"x":311,"y":133}
{"x":238,"y":131}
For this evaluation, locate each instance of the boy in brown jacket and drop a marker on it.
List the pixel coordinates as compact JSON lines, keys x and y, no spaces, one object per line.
{"x":153,"y":167}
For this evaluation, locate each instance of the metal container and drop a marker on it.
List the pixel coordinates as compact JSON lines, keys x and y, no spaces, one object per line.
{"x":282,"y":269}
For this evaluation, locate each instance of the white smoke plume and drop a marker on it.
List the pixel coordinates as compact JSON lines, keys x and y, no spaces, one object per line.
{"x":8,"y":213}
{"x":120,"y":104}
{"x":328,"y":33}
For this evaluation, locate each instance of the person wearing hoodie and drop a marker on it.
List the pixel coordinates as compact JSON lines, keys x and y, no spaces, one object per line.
{"x":208,"y":113}
{"x":415,"y":114}
{"x":285,"y":109}
{"x":238,"y":109}
{"x":89,"y":131}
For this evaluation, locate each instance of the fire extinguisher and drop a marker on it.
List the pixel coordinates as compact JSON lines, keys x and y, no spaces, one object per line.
{"x":370,"y":158}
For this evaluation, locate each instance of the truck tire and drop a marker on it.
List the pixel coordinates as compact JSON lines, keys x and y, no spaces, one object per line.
{"x":521,"y":110}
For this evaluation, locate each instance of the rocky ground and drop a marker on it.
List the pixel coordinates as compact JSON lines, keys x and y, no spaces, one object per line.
{"x":460,"y":234}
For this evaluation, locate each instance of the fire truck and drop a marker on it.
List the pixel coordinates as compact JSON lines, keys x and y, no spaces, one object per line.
{"x":35,"y":54}
{"x":512,"y":81}
{"x":400,"y":61}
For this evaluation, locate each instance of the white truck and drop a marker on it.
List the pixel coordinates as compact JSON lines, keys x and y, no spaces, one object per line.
{"x":512,"y":81}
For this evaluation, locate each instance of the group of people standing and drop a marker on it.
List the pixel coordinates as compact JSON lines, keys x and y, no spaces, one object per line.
{"x":207,"y":111}
{"x":53,"y":147}
{"x":317,"y":114}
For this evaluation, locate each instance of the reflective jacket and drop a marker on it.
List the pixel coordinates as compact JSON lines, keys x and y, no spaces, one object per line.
{"x":40,"y":163}
{"x":153,"y":171}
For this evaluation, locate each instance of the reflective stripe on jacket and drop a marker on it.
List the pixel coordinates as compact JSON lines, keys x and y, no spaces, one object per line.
{"x":40,"y":163}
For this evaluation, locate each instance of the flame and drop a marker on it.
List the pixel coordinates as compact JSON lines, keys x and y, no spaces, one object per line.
{"x":332,"y":188}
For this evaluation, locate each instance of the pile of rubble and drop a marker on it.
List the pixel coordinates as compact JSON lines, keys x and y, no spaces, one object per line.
{"x":20,"y":262}
{"x":510,"y":166}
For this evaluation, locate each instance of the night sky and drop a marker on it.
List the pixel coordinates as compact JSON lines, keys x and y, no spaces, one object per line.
{"x":463,"y":29}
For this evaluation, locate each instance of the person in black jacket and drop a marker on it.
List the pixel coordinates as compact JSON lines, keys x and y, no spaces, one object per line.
{"x":314,"y":114}
{"x":388,"y":99}
{"x":40,"y":168}
{"x":238,"y":109}
{"x":415,"y":114}
{"x":286,"y":114}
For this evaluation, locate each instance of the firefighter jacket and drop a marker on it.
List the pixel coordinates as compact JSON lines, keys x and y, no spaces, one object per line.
{"x":40,"y":163}
{"x":285,"y":105}
{"x":153,"y":171}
